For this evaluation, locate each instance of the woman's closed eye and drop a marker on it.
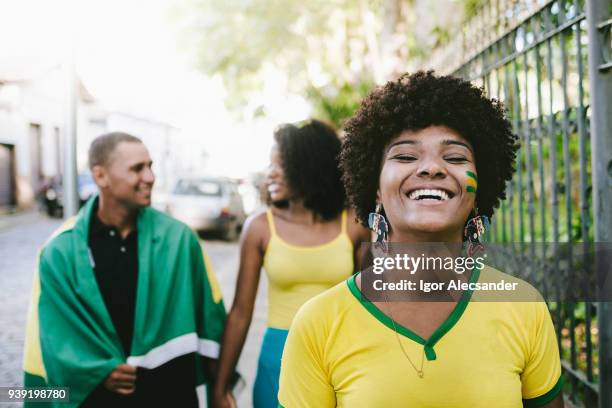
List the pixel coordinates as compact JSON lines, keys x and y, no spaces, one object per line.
{"x":410,"y":158}
{"x":456,"y":159}
{"x":404,"y":157}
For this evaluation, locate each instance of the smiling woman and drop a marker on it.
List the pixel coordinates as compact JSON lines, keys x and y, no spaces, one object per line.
{"x":428,"y":158}
{"x":428,"y":200}
{"x":306,"y":242}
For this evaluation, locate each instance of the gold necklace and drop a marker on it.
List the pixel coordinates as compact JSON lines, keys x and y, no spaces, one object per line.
{"x":419,"y":372}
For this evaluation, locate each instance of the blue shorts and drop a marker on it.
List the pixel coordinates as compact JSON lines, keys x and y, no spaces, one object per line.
{"x":265,"y":391}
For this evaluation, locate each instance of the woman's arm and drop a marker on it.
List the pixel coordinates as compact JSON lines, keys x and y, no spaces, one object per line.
{"x":239,"y":319}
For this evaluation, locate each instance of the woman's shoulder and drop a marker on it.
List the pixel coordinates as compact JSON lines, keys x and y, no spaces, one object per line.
{"x":257,"y":222}
{"x":256,"y":228}
{"x":502,"y":297}
{"x":509,"y":286}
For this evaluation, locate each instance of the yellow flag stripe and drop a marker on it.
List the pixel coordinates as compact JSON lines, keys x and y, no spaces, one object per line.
{"x":212,"y":279}
{"x":32,"y":359}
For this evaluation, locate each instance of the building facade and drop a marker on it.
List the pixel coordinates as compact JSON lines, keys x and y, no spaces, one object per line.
{"x":32,"y":117}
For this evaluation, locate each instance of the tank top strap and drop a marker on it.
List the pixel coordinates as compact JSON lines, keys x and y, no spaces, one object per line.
{"x":343,"y":221}
{"x":271,"y":222}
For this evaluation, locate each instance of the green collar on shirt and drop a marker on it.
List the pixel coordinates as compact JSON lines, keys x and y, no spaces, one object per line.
{"x":444,"y":328}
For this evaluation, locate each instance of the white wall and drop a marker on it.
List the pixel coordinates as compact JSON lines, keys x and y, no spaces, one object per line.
{"x":41,"y":101}
{"x":37,"y":101}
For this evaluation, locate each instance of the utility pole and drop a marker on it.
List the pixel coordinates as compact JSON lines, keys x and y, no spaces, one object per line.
{"x":70,"y":178}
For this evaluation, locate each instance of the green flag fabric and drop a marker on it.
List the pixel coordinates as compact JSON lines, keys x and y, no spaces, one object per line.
{"x":71,"y":341}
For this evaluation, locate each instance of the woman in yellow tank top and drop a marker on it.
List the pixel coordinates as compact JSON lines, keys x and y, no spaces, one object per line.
{"x":306,"y":242}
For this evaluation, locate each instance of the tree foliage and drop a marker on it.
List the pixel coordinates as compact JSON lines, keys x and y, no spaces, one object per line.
{"x":340,"y":105}
{"x":329,"y":51}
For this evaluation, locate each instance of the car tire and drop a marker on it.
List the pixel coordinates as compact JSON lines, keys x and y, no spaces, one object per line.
{"x":231,"y":232}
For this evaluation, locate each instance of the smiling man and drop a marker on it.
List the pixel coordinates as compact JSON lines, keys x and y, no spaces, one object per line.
{"x":125,"y":311}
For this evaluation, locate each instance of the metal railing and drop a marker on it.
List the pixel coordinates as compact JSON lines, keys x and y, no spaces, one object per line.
{"x":549,"y":62}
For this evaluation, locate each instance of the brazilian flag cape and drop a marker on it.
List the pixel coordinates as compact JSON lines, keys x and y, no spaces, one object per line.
{"x":71,"y":340}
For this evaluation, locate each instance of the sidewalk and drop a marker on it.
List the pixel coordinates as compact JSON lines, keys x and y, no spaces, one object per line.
{"x":20,"y":218}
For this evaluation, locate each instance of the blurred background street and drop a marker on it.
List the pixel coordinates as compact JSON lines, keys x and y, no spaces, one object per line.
{"x":204,"y":83}
{"x":23,"y":235}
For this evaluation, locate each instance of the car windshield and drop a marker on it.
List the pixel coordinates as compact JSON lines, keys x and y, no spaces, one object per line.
{"x":201,"y":187}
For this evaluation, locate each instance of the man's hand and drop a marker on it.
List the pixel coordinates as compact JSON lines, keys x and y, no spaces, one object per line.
{"x":224,"y":400}
{"x":121,"y":380}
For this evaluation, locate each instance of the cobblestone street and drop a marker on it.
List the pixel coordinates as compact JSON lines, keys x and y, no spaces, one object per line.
{"x":20,"y":239}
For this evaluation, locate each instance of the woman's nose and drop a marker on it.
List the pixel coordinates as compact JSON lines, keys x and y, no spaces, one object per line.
{"x":432,"y":168}
{"x":273,"y":171}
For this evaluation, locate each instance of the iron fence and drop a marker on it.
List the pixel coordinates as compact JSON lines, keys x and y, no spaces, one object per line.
{"x":549,"y":61}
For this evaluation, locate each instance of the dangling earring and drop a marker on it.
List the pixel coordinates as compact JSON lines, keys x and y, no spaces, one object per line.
{"x":474,"y":232}
{"x":378,"y":224}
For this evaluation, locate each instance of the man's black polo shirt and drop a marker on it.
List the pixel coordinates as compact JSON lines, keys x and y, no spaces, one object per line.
{"x":115,"y":264}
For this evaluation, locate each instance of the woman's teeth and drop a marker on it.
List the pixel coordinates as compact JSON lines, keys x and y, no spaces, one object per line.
{"x":429,"y":194}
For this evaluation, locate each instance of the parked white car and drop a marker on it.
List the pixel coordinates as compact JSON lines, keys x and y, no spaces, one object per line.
{"x":208,"y":204}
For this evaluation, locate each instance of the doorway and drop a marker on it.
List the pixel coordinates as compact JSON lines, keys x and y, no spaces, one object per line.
{"x":8,"y":198}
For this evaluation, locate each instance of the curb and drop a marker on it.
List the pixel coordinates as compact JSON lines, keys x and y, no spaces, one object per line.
{"x":19,"y":218}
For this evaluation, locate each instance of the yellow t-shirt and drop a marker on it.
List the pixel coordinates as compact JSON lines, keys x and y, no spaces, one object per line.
{"x":342,"y":351}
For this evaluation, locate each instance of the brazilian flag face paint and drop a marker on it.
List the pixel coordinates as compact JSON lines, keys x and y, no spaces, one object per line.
{"x":472,"y":182}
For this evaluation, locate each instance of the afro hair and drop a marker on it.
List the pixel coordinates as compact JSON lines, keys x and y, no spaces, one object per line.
{"x":309,"y":153}
{"x":415,"y":102}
